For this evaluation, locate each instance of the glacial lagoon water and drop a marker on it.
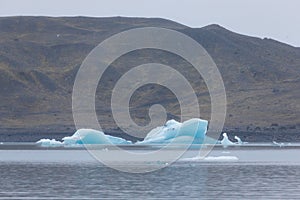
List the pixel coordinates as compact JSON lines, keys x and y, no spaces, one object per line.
{"x":261,"y":171}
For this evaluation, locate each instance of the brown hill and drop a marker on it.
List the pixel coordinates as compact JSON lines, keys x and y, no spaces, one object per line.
{"x":39,"y":58}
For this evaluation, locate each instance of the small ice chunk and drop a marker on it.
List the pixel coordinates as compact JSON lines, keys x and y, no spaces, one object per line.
{"x":221,"y":158}
{"x":239,"y":141}
{"x":278,"y":144}
{"x":49,"y":143}
{"x":225,"y":141}
{"x":211,"y":159}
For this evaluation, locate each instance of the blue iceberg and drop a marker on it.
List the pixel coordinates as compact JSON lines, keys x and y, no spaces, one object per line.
{"x":192,"y":131}
{"x":90,"y":136}
{"x":84,"y":136}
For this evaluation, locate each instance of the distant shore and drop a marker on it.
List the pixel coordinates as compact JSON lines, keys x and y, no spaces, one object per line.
{"x":23,"y":135}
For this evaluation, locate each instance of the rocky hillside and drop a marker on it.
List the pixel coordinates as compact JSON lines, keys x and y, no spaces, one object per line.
{"x":39,"y":58}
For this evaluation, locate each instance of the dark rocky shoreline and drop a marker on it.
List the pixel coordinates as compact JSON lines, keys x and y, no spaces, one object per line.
{"x":14,"y":135}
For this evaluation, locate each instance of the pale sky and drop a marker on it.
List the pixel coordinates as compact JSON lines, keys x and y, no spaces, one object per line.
{"x":277,"y":19}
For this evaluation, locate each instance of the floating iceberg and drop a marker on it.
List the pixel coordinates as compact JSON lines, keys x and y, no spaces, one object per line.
{"x":211,"y":159}
{"x":239,"y":141}
{"x":192,"y":131}
{"x":278,"y":144}
{"x":84,"y":136}
{"x":48,"y":142}
{"x":90,"y":136}
{"x":225,"y":141}
{"x":189,"y":132}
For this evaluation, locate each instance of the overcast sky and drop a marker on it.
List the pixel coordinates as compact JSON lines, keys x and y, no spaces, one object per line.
{"x":277,"y":19}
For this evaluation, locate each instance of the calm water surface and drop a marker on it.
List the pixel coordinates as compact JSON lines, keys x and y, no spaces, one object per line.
{"x":179,"y":181}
